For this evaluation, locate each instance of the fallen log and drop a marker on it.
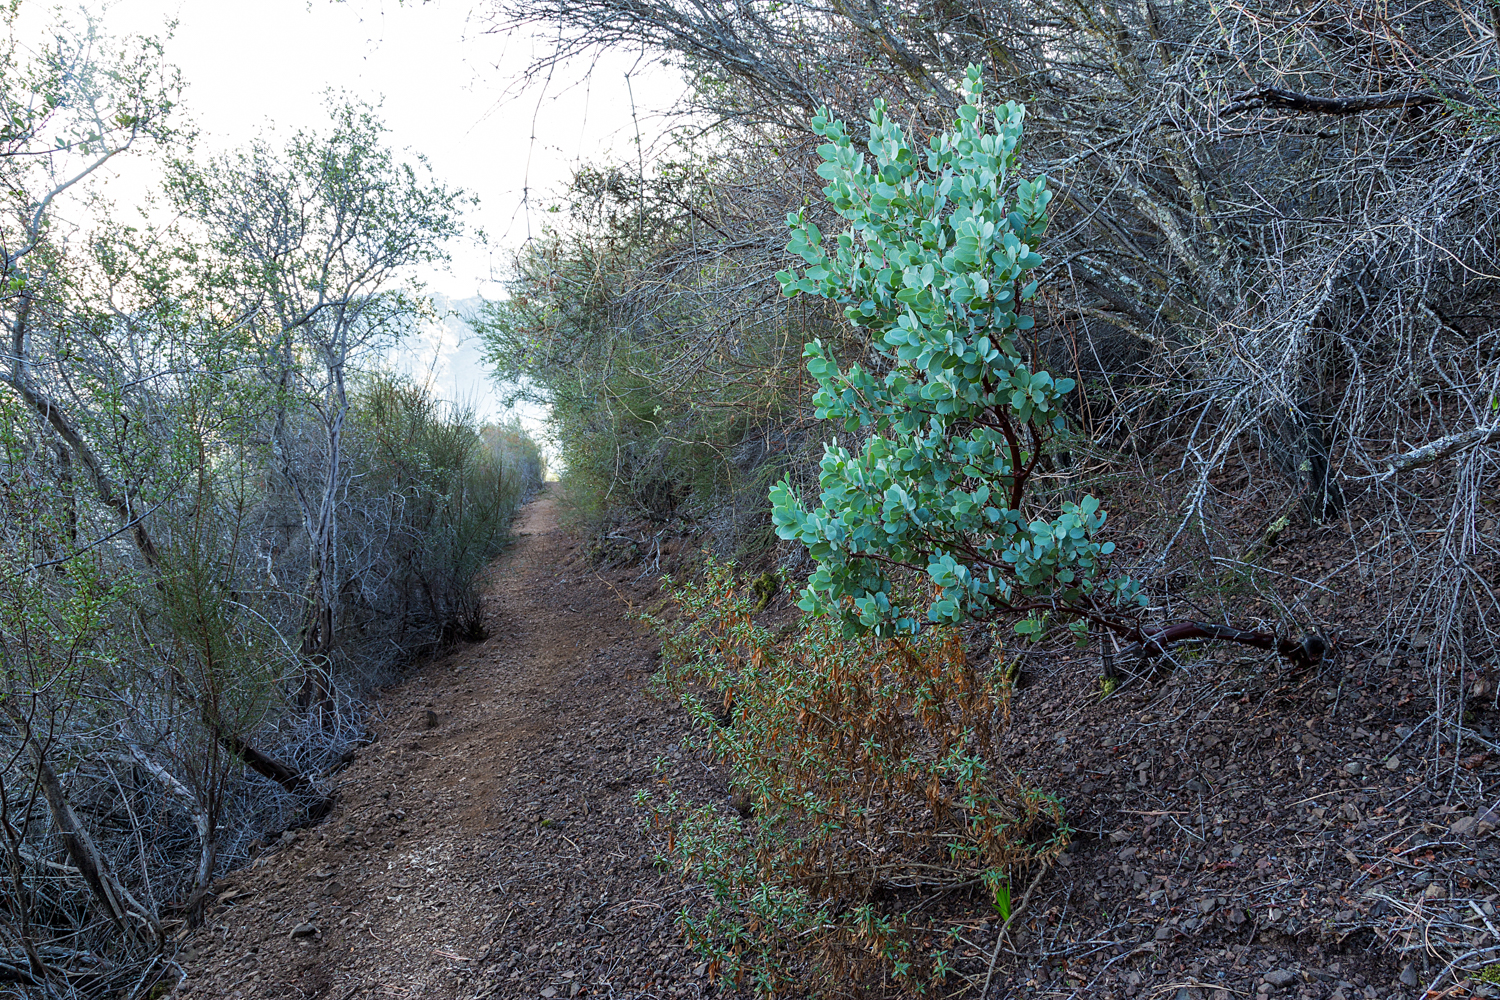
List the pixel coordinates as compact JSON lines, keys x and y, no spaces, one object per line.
{"x":1303,"y":653}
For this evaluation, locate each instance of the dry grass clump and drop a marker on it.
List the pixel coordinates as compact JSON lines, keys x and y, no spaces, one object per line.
{"x":866,"y":792}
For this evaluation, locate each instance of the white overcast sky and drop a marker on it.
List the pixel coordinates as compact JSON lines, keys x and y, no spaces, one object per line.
{"x":446,"y":88}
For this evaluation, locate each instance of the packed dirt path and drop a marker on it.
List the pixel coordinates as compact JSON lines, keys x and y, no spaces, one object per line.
{"x":486,"y":844}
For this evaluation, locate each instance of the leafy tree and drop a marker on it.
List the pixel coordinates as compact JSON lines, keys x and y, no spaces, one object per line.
{"x":189,"y":440}
{"x":65,"y":112}
{"x":316,"y":245}
{"x":935,"y":264}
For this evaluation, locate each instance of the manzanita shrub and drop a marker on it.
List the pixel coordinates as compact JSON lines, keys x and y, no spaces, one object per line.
{"x":865,"y":784}
{"x":935,"y":264}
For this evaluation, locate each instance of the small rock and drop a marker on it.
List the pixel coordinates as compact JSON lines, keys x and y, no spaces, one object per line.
{"x":1236,"y":916}
{"x":303,"y":930}
{"x":1120,"y":836}
{"x":1205,"y":905}
{"x":1409,"y":976}
{"x":1434,"y":891}
{"x":1393,"y":763}
{"x":1128,"y":853}
{"x":429,"y":721}
{"x":1460,"y":827}
{"x":550,"y":992}
{"x":1354,"y":767}
{"x":700,"y":969}
{"x":1197,"y":787}
{"x":1281,"y":977}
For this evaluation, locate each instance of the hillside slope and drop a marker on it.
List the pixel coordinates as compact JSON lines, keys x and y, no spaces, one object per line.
{"x":1240,"y":831}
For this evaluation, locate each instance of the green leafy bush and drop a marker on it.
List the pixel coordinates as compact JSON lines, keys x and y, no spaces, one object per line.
{"x":668,"y":361}
{"x":865,"y":782}
{"x":935,"y":263}
{"x":439,"y":492}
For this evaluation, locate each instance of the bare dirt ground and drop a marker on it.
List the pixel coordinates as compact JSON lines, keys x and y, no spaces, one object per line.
{"x":486,"y":843}
{"x":1241,"y":831}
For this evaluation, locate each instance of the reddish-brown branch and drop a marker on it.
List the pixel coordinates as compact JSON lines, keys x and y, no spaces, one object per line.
{"x":1305,"y":652}
{"x":1018,"y":470}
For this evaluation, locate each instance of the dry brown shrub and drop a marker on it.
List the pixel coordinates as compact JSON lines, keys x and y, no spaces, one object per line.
{"x":868,"y":790}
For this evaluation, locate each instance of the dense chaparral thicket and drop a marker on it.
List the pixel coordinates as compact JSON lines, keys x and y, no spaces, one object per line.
{"x":1265,"y":308}
{"x":1269,"y":269}
{"x":223,"y":522}
{"x":1260,"y":276}
{"x":653,"y":425}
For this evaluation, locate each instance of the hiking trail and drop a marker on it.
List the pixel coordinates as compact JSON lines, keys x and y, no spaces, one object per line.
{"x":486,"y":844}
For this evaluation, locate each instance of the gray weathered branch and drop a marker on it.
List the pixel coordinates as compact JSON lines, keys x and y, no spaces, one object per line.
{"x":1440,"y":449}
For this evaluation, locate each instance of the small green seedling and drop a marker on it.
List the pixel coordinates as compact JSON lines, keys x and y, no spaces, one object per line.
{"x":1001,"y":905}
{"x":1080,"y":631}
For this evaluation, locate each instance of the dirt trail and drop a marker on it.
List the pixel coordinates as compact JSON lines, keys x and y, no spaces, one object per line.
{"x":486,"y":844}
